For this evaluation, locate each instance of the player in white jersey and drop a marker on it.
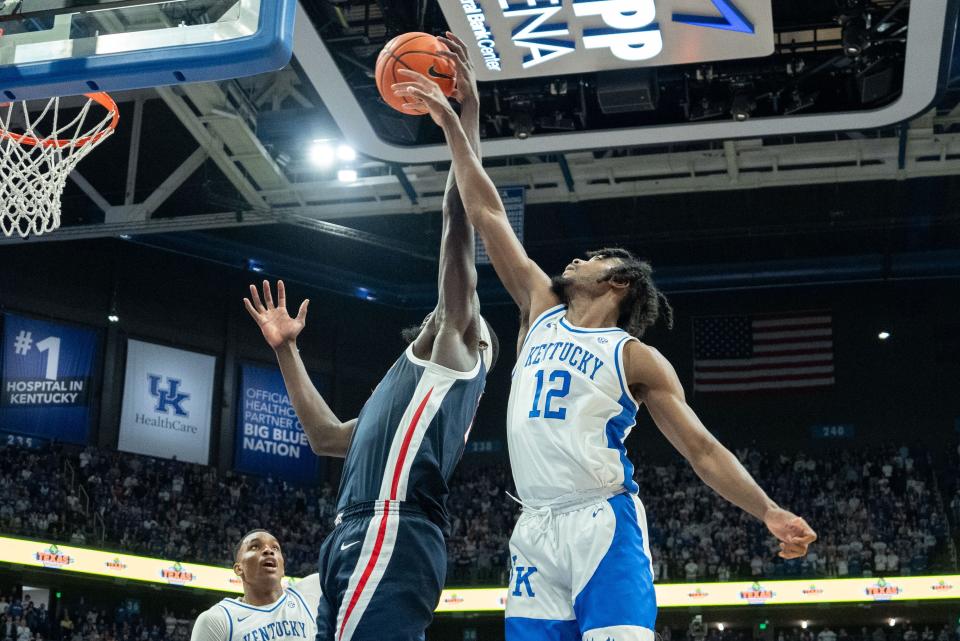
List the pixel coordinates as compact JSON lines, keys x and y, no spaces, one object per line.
{"x":267,"y":611}
{"x":581,"y":559}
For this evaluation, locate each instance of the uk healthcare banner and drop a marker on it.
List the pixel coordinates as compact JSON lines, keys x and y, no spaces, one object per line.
{"x":48,"y":369}
{"x":269,"y":439}
{"x":167,"y":402}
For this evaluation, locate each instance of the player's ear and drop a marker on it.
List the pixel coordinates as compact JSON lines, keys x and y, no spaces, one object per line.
{"x":618,"y":282}
{"x":238,"y":570}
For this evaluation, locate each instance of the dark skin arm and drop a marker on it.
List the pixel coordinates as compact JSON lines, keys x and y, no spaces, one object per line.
{"x":328,"y":435}
{"x":653,"y":381}
{"x":451,"y":336}
{"x":527,"y":283}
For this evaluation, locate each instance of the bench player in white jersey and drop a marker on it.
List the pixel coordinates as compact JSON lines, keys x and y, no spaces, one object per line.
{"x":267,"y":611}
{"x":581,"y":564}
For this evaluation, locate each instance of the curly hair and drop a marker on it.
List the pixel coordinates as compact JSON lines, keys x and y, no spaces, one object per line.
{"x":644,"y":304}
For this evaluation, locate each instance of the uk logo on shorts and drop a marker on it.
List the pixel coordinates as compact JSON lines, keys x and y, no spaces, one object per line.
{"x":520,"y":579}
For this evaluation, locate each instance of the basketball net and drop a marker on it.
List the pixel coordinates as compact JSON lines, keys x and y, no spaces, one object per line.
{"x":37,"y":153}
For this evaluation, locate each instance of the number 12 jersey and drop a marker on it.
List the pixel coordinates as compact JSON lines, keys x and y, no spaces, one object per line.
{"x":570,"y":411}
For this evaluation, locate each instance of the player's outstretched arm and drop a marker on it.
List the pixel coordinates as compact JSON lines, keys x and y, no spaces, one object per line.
{"x":328,"y":436}
{"x":655,"y":382}
{"x":527,"y":283}
{"x":457,"y":312}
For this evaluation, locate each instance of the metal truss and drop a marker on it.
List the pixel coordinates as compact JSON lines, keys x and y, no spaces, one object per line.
{"x":221,"y":118}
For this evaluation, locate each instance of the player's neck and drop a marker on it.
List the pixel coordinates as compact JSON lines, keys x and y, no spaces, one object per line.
{"x":264,"y":596}
{"x":584,"y":311}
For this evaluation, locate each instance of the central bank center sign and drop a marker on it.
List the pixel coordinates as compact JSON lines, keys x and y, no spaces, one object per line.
{"x":533,"y":38}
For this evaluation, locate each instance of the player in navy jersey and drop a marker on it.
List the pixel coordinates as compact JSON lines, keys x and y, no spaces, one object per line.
{"x":581,"y":567}
{"x":383,"y":567}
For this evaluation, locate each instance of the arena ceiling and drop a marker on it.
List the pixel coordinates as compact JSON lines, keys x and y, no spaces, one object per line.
{"x":223,"y":171}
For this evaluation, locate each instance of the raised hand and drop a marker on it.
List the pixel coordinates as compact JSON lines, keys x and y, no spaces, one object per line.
{"x":466,"y":91}
{"x":794,"y":533}
{"x":275,"y":323}
{"x":426,"y":96}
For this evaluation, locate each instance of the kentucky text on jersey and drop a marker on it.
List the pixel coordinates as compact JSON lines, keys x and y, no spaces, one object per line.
{"x":565,"y":352}
{"x":276,"y":630}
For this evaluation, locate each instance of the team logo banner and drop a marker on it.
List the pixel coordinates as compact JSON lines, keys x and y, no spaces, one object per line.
{"x":47,"y":373}
{"x":167,"y":402}
{"x":516,"y":39}
{"x":269,"y":439}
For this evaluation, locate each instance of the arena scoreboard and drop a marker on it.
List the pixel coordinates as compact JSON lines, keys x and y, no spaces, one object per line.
{"x":533,"y":38}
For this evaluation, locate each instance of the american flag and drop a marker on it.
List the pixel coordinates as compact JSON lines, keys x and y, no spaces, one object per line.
{"x":747,"y":353}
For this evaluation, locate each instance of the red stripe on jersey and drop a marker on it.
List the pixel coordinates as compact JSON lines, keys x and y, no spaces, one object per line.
{"x":406,"y":445}
{"x":367,"y":571}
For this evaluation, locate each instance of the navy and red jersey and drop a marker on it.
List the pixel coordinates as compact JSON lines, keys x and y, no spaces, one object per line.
{"x":410,"y":436}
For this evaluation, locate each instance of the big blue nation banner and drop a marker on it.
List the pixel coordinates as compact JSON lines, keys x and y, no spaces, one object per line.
{"x":48,"y":369}
{"x":167,"y":402}
{"x":269,"y":439}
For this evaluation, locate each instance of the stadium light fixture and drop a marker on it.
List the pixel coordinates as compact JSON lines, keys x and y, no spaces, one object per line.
{"x":721,"y":627}
{"x":346,"y":153}
{"x":347,"y":175}
{"x":113,"y":318}
{"x":883,"y":335}
{"x":892,"y":622}
{"x":322,"y":154}
{"x":804,"y":624}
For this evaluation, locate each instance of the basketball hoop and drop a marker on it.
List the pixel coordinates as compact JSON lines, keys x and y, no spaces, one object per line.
{"x":38,"y":152}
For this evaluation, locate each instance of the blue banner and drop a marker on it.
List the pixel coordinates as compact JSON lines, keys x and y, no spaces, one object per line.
{"x":269,"y":439}
{"x":514,"y":203}
{"x":47,"y":375}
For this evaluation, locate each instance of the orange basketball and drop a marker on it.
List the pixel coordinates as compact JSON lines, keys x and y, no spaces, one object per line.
{"x":416,"y":51}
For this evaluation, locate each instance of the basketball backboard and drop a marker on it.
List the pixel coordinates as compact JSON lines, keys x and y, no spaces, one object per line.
{"x":66,"y":47}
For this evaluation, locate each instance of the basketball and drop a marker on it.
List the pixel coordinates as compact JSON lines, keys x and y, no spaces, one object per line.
{"x":416,"y":51}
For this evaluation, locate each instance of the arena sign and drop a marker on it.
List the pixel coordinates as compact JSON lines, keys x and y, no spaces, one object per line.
{"x":64,"y":558}
{"x":533,"y":38}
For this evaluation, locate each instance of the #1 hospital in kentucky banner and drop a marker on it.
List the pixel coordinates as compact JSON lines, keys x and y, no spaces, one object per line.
{"x":269,"y":439}
{"x":48,"y":370}
{"x":167,"y":402}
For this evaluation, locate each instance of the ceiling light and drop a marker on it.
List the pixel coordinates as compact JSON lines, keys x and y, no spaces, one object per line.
{"x":742,"y":106}
{"x":883,"y":335}
{"x":322,"y":154}
{"x":522,"y":124}
{"x":856,"y":37}
{"x":346,"y":153}
{"x":113,"y":318}
{"x":347,"y":175}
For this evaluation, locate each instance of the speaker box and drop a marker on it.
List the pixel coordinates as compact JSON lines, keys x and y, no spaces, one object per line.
{"x":627,"y":90}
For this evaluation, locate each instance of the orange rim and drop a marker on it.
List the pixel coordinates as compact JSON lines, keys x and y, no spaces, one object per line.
{"x":101,"y":98}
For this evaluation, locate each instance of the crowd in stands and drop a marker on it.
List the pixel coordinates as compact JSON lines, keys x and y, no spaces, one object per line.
{"x":877,"y":512}
{"x":899,"y":632}
{"x":23,"y":620}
